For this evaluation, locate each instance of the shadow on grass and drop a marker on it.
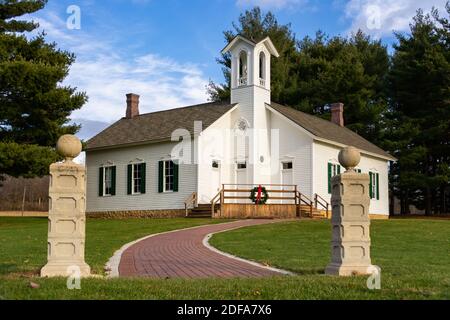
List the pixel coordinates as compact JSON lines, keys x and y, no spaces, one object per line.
{"x":306,"y":272}
{"x":14,"y":271}
{"x":6,"y":268}
{"x":297,"y":271}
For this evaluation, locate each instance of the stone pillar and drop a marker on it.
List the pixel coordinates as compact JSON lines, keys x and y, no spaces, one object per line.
{"x":350,"y":221}
{"x":67,"y":213}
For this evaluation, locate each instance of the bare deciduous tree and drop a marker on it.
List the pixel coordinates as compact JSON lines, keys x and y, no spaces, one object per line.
{"x":27,"y":194}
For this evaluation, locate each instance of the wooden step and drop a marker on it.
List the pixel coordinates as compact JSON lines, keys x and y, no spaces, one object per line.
{"x":322,"y":214}
{"x":202,"y":211}
{"x":319,"y":214}
{"x":205,"y":216}
{"x":200,"y":214}
{"x":202,"y":208}
{"x":199,"y":217}
{"x":206,"y":206}
{"x":305,"y":211}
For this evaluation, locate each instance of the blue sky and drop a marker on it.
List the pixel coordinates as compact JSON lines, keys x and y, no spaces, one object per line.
{"x":165,"y":50}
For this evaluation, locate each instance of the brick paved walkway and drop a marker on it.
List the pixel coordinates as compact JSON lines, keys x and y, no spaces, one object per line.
{"x":182,"y":254}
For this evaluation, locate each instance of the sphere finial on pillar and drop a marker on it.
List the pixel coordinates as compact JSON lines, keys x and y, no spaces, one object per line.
{"x":349,"y":158}
{"x":67,"y":214}
{"x":350,"y":202}
{"x":69,"y":146}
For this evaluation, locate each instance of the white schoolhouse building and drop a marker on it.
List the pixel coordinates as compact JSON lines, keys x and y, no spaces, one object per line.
{"x":157,"y":164}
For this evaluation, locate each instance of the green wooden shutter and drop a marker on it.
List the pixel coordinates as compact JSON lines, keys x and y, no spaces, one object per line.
{"x":161,"y":177}
{"x":143,"y":177}
{"x":100,"y":181}
{"x":113,"y":181}
{"x":378,"y":186}
{"x":129,"y":179}
{"x":330,"y":175}
{"x":176,"y":169}
{"x":371,"y":185}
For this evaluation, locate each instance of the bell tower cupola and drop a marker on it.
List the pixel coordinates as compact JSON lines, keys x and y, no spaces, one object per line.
{"x":250,"y":90}
{"x":250,"y":66}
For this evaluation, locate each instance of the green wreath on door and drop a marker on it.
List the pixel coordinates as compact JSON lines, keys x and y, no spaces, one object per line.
{"x":264,"y":195}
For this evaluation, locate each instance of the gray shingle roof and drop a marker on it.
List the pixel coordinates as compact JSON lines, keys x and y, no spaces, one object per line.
{"x":328,"y":130}
{"x":157,"y":126}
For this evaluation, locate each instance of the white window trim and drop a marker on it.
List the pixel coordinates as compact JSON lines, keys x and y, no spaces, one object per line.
{"x":335,"y":166}
{"x":218,"y":162}
{"x":104,"y":180}
{"x":285,"y":162}
{"x":335,"y":170}
{"x":241,"y":162}
{"x":164,"y":175}
{"x":242,"y":81}
{"x":262,"y":65}
{"x":132,"y":178}
{"x":374,"y":185}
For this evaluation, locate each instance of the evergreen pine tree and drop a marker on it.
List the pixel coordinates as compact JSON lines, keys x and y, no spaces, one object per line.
{"x":34,"y":106}
{"x":420,"y":90}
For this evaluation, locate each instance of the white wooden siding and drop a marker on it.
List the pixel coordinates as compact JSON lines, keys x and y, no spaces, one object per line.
{"x":245,"y":97}
{"x":214,"y":144}
{"x":324,"y":153}
{"x":296,"y":146}
{"x":152,"y":200}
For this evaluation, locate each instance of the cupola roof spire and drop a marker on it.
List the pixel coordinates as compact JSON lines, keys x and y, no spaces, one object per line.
{"x":267,"y":41}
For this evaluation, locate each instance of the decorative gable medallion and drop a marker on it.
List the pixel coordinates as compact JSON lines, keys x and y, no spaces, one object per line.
{"x":242,"y":124}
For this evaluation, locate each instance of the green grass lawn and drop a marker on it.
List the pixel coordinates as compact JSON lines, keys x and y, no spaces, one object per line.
{"x":414,"y":256}
{"x":23,"y":241}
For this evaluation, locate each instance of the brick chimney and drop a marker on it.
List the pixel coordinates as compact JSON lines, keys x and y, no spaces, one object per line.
{"x":337,"y":113}
{"x":132,"y":105}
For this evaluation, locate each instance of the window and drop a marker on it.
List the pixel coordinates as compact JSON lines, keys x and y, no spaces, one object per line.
{"x":287,"y":165}
{"x":333,"y":170}
{"x":262,"y":69}
{"x":243,"y":69}
{"x":136,"y":178}
{"x":241,"y":165}
{"x":374,"y":188}
{"x":168,"y":173}
{"x":168,"y":176}
{"x":107,"y":181}
{"x":242,"y":125}
{"x":215,"y":164}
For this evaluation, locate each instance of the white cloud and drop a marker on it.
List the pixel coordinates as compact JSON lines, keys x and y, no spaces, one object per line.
{"x":107,"y":71}
{"x":161,"y":82}
{"x":273,"y":4}
{"x":381,"y":17}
